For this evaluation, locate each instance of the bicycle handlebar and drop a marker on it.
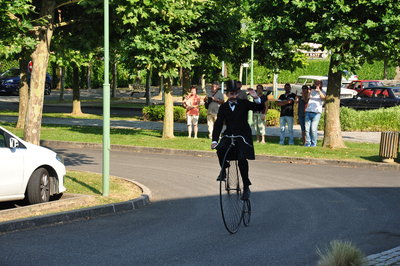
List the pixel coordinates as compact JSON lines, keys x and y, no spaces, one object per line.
{"x":237,"y":136}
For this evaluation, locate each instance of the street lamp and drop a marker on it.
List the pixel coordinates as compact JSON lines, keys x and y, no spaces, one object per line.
{"x":106,"y":104}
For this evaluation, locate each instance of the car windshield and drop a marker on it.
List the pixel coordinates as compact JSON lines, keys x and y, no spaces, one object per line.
{"x":11,"y":73}
{"x":370,"y":84}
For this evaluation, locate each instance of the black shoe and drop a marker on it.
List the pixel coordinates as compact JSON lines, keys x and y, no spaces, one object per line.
{"x":221,"y":176}
{"x":246,"y":194}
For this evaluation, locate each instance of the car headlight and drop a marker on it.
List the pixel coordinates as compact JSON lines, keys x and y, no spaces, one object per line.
{"x":60,"y":158}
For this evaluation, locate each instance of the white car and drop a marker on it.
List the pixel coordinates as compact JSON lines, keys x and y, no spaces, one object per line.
{"x":29,"y":171}
{"x":309,"y":80}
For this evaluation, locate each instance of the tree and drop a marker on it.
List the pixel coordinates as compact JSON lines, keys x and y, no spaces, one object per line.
{"x":40,"y":58}
{"x":154,"y":35}
{"x":16,"y":42}
{"x":349,"y":30}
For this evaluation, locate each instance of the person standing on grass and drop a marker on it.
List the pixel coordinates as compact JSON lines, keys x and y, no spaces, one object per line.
{"x":301,"y":111}
{"x":314,"y":100}
{"x":286,"y":102}
{"x":259,"y":116}
{"x":192,"y":105}
{"x":213,"y":100}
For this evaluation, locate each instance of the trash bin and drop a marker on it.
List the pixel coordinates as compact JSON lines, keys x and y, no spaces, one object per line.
{"x":389,"y":146}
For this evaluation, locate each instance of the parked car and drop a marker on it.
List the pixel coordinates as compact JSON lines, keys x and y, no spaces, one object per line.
{"x":29,"y":171}
{"x":9,"y":82}
{"x":358,"y":85}
{"x":373,"y":98}
{"x":309,"y":80}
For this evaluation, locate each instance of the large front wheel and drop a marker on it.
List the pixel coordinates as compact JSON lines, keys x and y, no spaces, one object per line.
{"x":230,"y":197}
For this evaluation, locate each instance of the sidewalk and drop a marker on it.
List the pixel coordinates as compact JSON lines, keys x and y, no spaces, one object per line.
{"x":369,"y":137}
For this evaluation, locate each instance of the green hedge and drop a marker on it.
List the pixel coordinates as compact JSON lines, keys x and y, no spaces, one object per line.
{"x":156,"y":113}
{"x":384,"y":119}
{"x":272,"y":117}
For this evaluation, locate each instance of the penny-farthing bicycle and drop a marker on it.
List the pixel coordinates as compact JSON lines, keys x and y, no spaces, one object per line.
{"x":234,"y":210}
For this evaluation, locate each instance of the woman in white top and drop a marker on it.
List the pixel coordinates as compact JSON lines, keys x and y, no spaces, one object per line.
{"x":314,"y":101}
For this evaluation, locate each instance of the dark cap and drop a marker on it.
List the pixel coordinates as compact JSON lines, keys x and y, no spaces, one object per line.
{"x":215,"y":83}
{"x":231,"y":86}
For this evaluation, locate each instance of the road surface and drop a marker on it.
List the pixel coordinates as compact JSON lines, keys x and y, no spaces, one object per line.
{"x":296,"y":209}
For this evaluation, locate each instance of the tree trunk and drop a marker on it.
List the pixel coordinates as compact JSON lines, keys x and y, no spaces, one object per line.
{"x":397,"y":76}
{"x":332,"y":131}
{"x":148,"y":87}
{"x":186,"y":81}
{"x":40,"y":59}
{"x":203,"y":83}
{"x":89,"y":77}
{"x":62,"y":83}
{"x":168,"y":126}
{"x":59,"y":77}
{"x":76,"y":101}
{"x":23,"y":92}
{"x":54,"y":80}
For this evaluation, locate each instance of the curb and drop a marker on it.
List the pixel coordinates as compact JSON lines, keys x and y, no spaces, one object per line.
{"x":79,"y":214}
{"x":280,"y":159}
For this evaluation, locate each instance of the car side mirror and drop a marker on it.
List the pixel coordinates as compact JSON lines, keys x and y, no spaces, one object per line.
{"x":14,"y":143}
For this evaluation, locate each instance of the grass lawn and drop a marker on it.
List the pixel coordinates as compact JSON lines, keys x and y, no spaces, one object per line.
{"x":77,"y":182}
{"x":152,"y":138}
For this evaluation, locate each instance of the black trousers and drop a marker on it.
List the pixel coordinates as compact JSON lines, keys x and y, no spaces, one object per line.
{"x":235,"y":153}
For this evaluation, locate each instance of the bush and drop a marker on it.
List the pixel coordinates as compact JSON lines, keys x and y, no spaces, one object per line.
{"x":272,"y":117}
{"x":179,"y":114}
{"x":384,"y":119}
{"x":153,"y":112}
{"x":341,"y":253}
{"x":203,"y":115}
{"x":156,"y":113}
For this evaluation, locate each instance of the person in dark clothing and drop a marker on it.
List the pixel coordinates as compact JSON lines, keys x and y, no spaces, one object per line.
{"x":234,"y":113}
{"x":286,"y":102}
{"x":301,"y":111}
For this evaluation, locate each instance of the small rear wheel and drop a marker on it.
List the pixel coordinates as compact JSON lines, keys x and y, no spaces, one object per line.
{"x":246,"y":212}
{"x":38,"y":190}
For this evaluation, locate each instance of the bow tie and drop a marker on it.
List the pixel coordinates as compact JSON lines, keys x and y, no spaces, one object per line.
{"x":232,"y":103}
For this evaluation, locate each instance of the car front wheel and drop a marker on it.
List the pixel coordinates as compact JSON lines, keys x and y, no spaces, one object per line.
{"x":38,"y":189}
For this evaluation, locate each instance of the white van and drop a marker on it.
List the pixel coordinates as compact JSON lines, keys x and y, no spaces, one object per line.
{"x":309,"y":80}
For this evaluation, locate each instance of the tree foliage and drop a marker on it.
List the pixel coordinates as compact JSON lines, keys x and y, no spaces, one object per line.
{"x":15,"y":26}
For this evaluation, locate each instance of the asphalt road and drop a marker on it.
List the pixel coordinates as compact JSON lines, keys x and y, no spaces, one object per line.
{"x":296,"y":208}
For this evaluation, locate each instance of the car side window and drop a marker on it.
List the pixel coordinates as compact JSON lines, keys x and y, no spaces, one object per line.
{"x":301,"y":81}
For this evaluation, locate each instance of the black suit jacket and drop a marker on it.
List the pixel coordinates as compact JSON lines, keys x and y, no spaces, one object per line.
{"x":235,"y":121}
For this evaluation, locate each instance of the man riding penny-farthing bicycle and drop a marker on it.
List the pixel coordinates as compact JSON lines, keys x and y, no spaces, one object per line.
{"x":236,"y":143}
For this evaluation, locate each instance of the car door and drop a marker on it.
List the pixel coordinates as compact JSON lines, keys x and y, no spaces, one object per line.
{"x":377,"y":98}
{"x":11,"y":168}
